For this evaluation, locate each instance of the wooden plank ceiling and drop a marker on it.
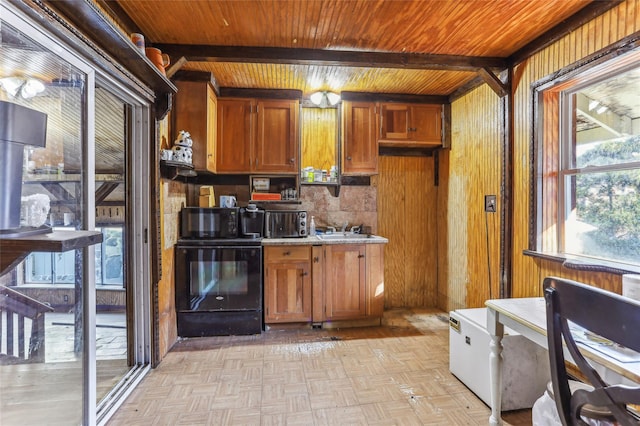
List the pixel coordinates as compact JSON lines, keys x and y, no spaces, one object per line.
{"x":423,"y":47}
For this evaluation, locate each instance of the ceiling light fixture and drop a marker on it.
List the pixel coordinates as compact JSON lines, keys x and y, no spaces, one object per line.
{"x":324,"y":99}
{"x":26,"y":87}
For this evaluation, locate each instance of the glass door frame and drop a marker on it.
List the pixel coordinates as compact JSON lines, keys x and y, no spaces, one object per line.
{"x":96,"y":69}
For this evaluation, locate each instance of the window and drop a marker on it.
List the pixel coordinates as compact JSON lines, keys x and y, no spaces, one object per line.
{"x":59,"y":268}
{"x":588,"y":185}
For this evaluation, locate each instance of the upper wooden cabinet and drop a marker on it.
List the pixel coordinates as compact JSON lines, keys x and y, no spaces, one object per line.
{"x":360,"y":142}
{"x":234,"y":135}
{"x":410,"y":125}
{"x":256,"y":135}
{"x":196,"y":113}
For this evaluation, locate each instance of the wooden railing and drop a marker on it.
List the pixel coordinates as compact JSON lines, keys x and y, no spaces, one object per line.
{"x":15,"y":306}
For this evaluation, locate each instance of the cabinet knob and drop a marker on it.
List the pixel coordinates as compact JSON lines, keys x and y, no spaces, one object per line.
{"x":292,"y":160}
{"x":304,"y":274}
{"x":361,"y":255}
{"x":412,"y":129}
{"x":316,"y":259}
{"x":286,"y":253}
{"x":349,"y":158}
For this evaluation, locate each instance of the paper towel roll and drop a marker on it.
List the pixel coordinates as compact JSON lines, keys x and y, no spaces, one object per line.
{"x":631,"y":286}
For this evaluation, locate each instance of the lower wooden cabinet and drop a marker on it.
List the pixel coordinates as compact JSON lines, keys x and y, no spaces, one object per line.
{"x":324,"y":283}
{"x":287,"y":284}
{"x":345,"y":282}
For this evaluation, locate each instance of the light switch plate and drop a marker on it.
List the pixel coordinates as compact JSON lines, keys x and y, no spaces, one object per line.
{"x":490,"y":203}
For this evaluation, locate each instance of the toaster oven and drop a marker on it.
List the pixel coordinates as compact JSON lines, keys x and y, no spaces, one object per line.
{"x":285,"y":223}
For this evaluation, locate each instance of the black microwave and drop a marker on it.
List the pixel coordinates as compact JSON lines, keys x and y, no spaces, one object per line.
{"x":209,"y":222}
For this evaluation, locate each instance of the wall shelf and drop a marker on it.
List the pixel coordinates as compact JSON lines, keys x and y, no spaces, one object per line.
{"x":173,"y":169}
{"x":15,"y":249}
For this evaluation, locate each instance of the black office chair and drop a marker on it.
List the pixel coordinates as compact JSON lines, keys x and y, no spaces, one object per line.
{"x":606,"y":314}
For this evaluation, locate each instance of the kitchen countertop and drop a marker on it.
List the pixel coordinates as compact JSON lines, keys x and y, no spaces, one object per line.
{"x":314,"y":241}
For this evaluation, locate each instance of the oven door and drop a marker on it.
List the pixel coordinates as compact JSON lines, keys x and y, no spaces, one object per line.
{"x":218,"y":278}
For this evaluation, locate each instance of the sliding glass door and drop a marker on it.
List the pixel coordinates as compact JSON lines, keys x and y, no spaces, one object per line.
{"x":74,"y":333}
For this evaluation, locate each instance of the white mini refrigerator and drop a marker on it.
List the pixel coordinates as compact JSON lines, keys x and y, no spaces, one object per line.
{"x":525,"y":370}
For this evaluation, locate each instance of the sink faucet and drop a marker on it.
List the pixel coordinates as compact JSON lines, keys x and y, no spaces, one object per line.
{"x":344,"y":227}
{"x":356,"y":229}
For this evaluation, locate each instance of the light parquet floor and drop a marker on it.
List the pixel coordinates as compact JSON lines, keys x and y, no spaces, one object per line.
{"x":396,"y":374}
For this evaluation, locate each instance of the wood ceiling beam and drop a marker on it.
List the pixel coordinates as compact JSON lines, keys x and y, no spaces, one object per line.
{"x":104,"y":190}
{"x":494,"y":82}
{"x":344,"y":58}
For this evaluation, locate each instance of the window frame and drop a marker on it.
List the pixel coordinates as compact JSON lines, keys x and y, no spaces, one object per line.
{"x":100,"y":263}
{"x":553,"y":99}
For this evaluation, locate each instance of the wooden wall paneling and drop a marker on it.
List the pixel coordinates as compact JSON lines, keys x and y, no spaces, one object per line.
{"x":475,"y":170}
{"x":602,"y":280}
{"x":392,"y":224}
{"x":443,"y":230}
{"x":172,"y":196}
{"x":421,"y":229}
{"x":485,"y":267}
{"x":604,"y":30}
{"x":549,"y":180}
{"x":319,"y":137}
{"x":452,"y":248}
{"x":407,"y":208}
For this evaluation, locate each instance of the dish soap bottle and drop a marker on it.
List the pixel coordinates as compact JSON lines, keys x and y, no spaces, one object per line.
{"x":312,"y":227}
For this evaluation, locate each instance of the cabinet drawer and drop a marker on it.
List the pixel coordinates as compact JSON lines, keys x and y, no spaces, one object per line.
{"x":286,"y":253}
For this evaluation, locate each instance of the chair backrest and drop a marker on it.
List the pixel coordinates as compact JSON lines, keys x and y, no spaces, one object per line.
{"x":609,"y":315}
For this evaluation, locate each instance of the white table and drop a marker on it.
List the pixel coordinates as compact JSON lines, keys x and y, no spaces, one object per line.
{"x":527,"y":316}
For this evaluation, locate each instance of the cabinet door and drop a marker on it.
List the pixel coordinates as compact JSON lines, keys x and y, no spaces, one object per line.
{"x":410,"y":125}
{"x":426,"y":124}
{"x":345,"y":282}
{"x":375,"y":279}
{"x":212,"y":129}
{"x":317,"y":282}
{"x":195,"y":112}
{"x":234,"y":136}
{"x":287,"y":292}
{"x":360,"y":142}
{"x":276,"y":143}
{"x":394,"y":122}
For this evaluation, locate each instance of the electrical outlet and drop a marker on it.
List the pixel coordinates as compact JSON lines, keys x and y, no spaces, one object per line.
{"x":490,"y":203}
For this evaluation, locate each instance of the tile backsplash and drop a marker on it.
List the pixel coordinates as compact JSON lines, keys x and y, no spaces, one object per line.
{"x":356,"y":205}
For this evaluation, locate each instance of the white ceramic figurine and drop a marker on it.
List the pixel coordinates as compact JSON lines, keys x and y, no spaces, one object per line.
{"x":183,"y":139}
{"x":182,"y":154}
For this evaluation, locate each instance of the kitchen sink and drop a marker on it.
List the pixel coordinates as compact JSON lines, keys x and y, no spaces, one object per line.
{"x":343,"y":236}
